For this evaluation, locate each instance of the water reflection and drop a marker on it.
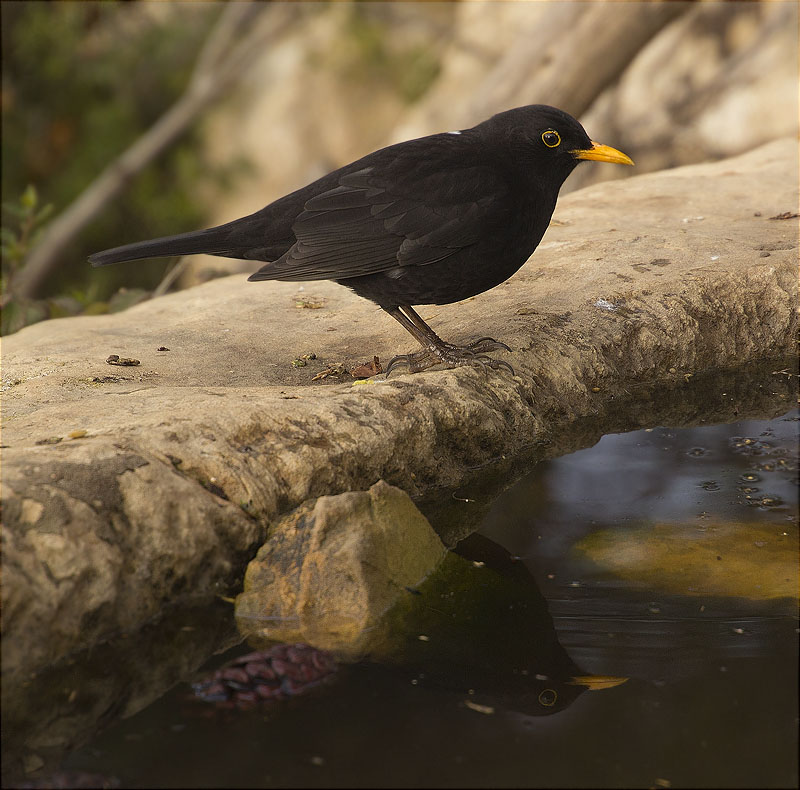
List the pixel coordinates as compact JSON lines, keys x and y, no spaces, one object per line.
{"x":581,"y":570}
{"x":671,"y":555}
{"x":654,"y":476}
{"x":480,"y":628}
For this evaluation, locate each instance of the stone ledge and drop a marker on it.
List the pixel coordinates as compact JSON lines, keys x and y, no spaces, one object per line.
{"x":179,"y":464}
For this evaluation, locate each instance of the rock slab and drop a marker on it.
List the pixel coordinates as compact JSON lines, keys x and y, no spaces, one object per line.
{"x":127,"y":488}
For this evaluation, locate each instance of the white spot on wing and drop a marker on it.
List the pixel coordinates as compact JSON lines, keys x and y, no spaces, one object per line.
{"x":454,"y":133}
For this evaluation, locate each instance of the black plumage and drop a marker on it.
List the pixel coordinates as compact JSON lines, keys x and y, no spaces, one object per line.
{"x":427,"y":221}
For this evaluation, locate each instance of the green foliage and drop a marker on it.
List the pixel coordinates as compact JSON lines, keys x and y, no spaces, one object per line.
{"x":23,"y":221}
{"x":22,"y":224}
{"x":407,"y":67}
{"x":23,"y":229}
{"x":81,"y":82}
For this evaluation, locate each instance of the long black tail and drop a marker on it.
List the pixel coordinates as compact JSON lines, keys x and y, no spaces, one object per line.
{"x":213,"y":241}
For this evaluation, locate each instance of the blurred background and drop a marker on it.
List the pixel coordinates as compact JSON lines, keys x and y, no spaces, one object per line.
{"x":124,"y":121}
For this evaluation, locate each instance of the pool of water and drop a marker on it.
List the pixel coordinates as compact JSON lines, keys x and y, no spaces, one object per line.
{"x":667,"y":556}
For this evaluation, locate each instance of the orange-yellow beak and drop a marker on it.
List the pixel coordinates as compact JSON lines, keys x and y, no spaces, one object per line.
{"x":602,"y":153}
{"x":597,"y":682}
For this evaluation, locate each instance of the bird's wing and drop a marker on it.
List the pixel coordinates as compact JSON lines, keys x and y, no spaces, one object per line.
{"x":376,"y":220}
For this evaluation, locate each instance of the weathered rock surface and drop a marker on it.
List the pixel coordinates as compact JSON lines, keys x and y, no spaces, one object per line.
{"x":333,"y":567}
{"x":176,"y":466}
{"x":70,"y":702}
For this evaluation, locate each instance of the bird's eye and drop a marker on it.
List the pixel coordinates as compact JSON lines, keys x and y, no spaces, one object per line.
{"x":551,"y":139}
{"x":549,"y":696}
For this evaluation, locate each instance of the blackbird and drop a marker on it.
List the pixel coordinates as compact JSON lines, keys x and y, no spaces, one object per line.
{"x":489,"y":636}
{"x":428,"y":221}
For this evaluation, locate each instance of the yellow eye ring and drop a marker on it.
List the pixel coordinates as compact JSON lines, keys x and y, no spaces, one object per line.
{"x":551,"y":138}
{"x":549,"y":696}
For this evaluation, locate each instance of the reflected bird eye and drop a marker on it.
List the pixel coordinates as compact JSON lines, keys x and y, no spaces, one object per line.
{"x":548,"y":697}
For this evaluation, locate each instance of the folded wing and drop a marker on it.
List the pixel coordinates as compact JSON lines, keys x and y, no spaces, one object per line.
{"x":376,"y":219}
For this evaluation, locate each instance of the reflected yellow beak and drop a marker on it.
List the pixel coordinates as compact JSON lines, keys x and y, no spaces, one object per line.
{"x":602,"y":153}
{"x":597,"y":682}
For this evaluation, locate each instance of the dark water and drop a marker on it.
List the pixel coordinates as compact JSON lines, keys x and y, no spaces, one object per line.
{"x":667,"y":556}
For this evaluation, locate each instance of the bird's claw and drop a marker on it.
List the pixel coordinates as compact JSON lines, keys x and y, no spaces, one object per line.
{"x":452,"y":356}
{"x":482,"y":345}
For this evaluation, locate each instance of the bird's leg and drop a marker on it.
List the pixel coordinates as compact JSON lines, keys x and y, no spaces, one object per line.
{"x":436,"y":351}
{"x":479,"y":346}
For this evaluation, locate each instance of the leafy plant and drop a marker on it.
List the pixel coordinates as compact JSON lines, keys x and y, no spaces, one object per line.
{"x":22,"y":222}
{"x":81,"y":82}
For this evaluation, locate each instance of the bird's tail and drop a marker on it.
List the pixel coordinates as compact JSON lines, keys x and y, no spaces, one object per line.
{"x":213,"y":241}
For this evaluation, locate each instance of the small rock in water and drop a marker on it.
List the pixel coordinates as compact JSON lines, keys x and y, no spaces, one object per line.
{"x":281,"y":672}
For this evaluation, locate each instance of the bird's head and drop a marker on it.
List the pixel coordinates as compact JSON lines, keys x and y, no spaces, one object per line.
{"x":547,"y":141}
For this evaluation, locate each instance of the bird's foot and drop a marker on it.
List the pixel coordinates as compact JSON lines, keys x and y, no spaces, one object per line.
{"x":481,"y":346}
{"x":452,"y":356}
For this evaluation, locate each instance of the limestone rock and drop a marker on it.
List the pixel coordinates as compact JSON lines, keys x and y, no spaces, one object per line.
{"x":333,"y":567}
{"x":718,"y":81}
{"x":91,"y":547}
{"x":126,"y":488}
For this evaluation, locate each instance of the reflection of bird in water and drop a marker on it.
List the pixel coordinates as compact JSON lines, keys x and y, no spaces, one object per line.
{"x":478,"y":626}
{"x":482,"y":628}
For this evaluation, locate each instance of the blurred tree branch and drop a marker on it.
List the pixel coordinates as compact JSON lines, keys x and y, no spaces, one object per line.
{"x":564,"y":54}
{"x":570,"y":59}
{"x":738,"y":70}
{"x":229,"y":49}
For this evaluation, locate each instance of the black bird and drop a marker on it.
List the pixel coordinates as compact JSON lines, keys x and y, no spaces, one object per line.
{"x":488,"y":634}
{"x":428,"y":221}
